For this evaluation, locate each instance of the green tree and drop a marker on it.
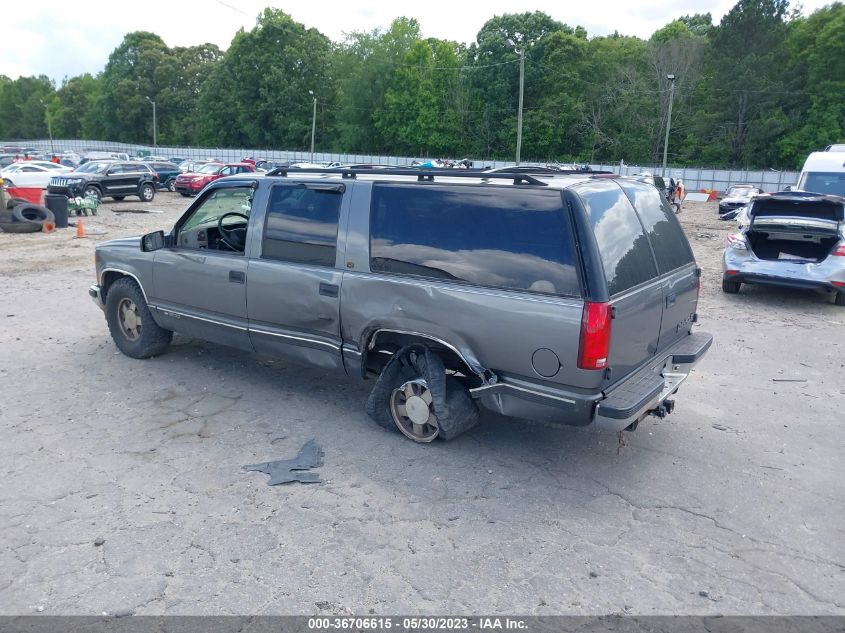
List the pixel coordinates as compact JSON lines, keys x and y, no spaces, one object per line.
{"x":258,"y":95}
{"x":741,"y":93}
{"x":418,"y":114}
{"x":494,"y":79}
{"x":130,"y":78}
{"x":74,"y":106}
{"x":365,"y":65}
{"x":22,"y":107}
{"x":818,"y":116}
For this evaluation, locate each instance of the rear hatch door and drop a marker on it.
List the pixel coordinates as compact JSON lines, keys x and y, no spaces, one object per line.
{"x":634,"y":289}
{"x":679,"y":276}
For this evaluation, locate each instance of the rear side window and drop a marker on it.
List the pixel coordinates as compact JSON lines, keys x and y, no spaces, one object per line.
{"x":504,"y":237}
{"x":302,"y":225}
{"x":671,"y":248}
{"x":625,"y":253}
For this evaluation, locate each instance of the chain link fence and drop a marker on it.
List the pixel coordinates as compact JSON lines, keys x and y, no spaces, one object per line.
{"x":694,"y":178}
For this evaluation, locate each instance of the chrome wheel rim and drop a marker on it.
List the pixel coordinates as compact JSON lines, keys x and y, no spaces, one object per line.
{"x":412,"y":411}
{"x":91,"y":192}
{"x":129,"y":319}
{"x":147,"y":193}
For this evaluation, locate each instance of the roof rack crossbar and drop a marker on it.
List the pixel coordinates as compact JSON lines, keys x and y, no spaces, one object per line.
{"x":426,"y":175}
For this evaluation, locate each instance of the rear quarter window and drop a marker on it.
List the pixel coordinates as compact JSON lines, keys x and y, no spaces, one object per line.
{"x":667,"y":238}
{"x":625,"y":252}
{"x":515,"y":238}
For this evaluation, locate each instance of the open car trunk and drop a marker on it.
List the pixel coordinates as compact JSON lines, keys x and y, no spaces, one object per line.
{"x":795,"y":226}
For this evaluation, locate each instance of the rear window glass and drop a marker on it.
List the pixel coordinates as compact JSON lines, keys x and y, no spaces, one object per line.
{"x":625,"y":252}
{"x":670,"y":245}
{"x":515,"y":238}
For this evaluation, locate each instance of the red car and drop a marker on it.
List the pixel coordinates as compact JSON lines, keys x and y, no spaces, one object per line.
{"x":191,"y":183}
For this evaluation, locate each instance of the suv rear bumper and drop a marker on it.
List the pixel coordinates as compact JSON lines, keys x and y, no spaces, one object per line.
{"x":621,"y":406}
{"x":645,"y":391}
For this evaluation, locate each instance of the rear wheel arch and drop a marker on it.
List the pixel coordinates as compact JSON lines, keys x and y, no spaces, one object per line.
{"x":380,"y":345}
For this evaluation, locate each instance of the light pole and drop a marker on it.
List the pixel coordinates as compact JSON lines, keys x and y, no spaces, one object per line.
{"x":49,"y":126}
{"x":313,"y":123}
{"x":671,"y":79}
{"x":155,"y":142}
{"x":521,"y":51}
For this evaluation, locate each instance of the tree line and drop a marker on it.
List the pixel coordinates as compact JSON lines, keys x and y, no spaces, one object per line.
{"x":761,"y":88}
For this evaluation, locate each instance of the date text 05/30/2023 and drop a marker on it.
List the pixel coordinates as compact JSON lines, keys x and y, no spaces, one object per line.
{"x":376,"y":623}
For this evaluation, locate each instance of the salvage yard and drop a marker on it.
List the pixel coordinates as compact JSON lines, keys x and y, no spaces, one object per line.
{"x":123,"y":489}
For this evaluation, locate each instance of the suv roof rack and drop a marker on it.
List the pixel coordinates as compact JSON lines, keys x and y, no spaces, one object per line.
{"x":423,"y":175}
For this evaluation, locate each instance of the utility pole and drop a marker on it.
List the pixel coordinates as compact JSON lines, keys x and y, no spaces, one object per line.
{"x":155,"y":142}
{"x":313,"y":123}
{"x":49,"y":126}
{"x":671,"y":79}
{"x":512,"y":45}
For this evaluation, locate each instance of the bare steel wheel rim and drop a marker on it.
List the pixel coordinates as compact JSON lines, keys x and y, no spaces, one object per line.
{"x":412,"y":411}
{"x":129,"y":319}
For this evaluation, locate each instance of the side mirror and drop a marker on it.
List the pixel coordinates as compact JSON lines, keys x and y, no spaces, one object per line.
{"x":152,"y":241}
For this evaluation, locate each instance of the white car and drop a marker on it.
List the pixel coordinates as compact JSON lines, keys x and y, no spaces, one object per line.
{"x":738,"y":196}
{"x":31,"y":173}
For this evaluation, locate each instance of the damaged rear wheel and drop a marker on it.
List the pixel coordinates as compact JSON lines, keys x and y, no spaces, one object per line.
{"x":415,"y":396}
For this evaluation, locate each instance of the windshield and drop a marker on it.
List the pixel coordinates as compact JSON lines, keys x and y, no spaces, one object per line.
{"x":211,"y":168}
{"x":741,"y":191}
{"x":93,"y":167}
{"x":824,"y":182}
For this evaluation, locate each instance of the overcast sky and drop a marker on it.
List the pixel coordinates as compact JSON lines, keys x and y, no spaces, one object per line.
{"x":59,"y":38}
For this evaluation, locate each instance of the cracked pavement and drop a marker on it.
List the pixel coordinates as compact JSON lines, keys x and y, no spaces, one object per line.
{"x":732,"y":505}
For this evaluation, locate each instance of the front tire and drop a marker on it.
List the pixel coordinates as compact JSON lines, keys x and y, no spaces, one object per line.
{"x":147,"y":192}
{"x":92,"y":192}
{"x":171,"y":185}
{"x":731,"y":287}
{"x":415,"y":396}
{"x":131,"y":323}
{"x":839,"y":299}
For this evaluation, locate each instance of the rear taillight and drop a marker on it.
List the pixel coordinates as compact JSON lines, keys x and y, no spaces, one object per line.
{"x":840,"y":250}
{"x":737,"y":241}
{"x":594,"y":346}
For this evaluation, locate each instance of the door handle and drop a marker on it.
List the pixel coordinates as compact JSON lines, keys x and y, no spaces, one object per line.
{"x":237,"y":276}
{"x":670,"y":299}
{"x":328,"y":290}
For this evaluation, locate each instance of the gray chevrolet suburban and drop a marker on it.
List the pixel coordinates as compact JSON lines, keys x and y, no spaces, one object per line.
{"x":569,"y":299}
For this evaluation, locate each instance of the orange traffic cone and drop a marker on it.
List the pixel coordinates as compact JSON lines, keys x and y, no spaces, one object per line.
{"x":80,"y":230}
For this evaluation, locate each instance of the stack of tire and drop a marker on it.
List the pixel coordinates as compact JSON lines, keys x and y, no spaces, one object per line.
{"x":22,"y":216}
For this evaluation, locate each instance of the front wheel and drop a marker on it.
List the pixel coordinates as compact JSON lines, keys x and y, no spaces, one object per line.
{"x":147,"y":192}
{"x":415,"y":396}
{"x":730,"y":287}
{"x":130,"y":322}
{"x":839,"y":299}
{"x":92,"y":192}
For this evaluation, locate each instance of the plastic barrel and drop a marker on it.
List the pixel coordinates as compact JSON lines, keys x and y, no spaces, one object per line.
{"x":31,"y":194}
{"x":57,"y":203}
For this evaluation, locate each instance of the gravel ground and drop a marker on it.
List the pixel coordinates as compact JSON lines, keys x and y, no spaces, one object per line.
{"x":122,"y":489}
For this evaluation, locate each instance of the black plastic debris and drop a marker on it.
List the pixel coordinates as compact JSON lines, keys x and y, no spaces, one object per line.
{"x":284,"y":471}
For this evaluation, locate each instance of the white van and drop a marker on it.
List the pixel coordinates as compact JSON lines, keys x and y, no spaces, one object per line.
{"x":823,"y":172}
